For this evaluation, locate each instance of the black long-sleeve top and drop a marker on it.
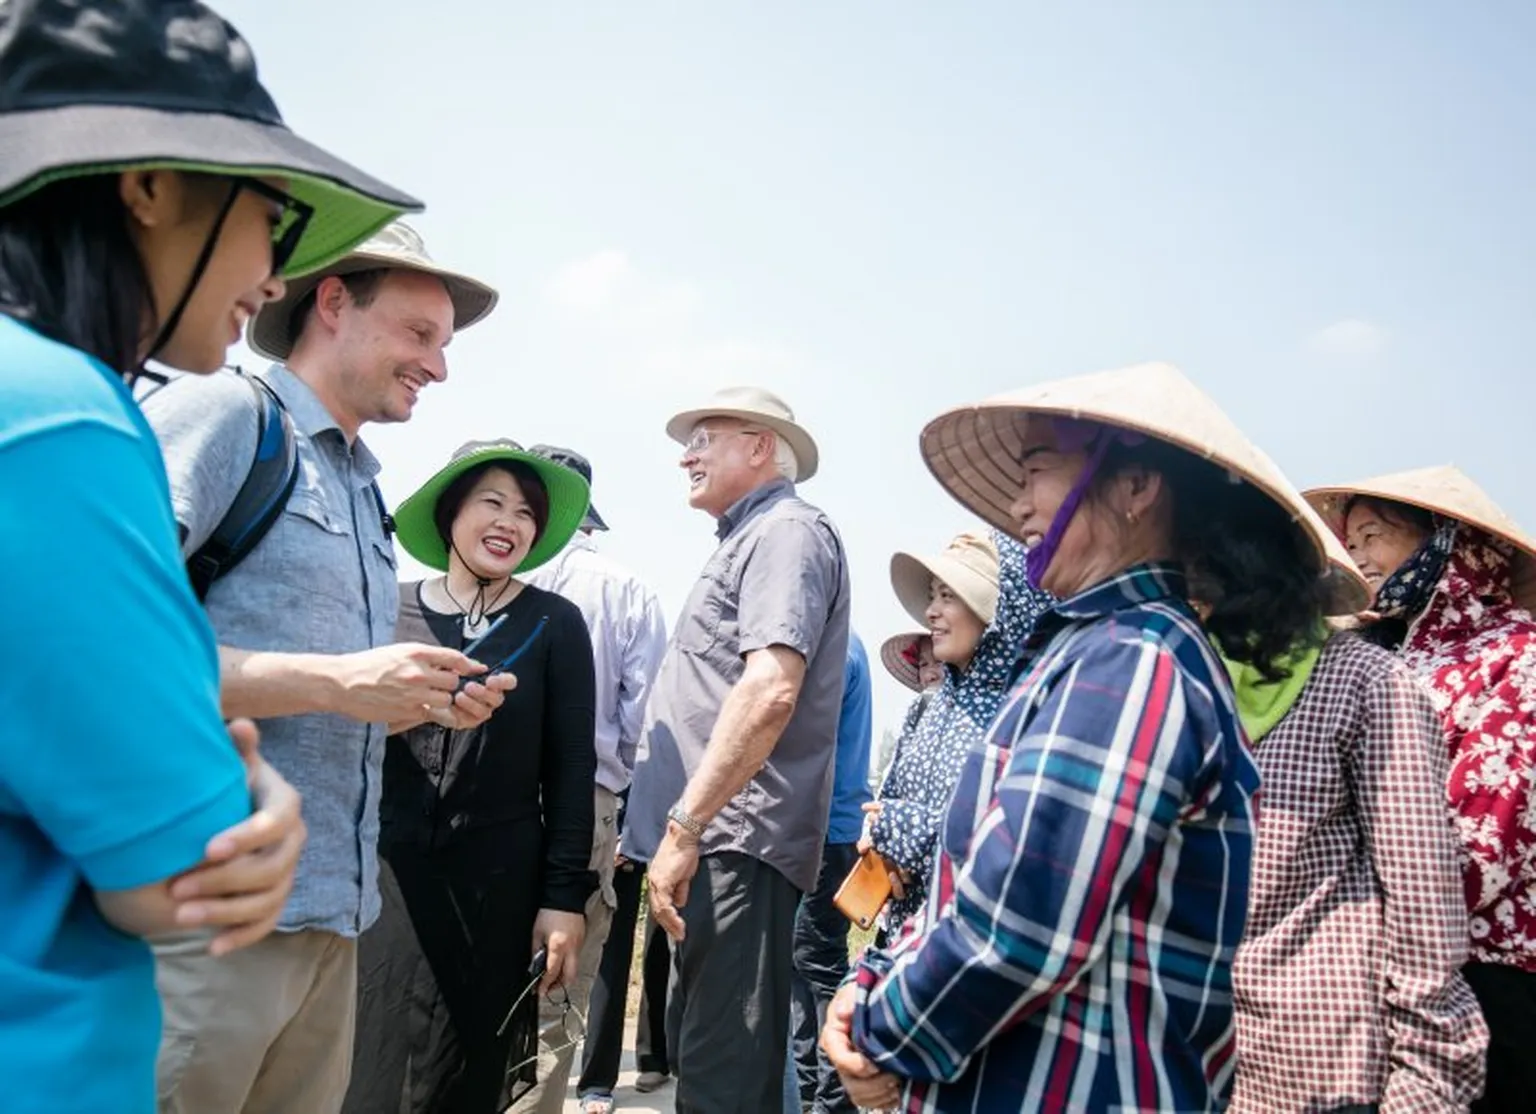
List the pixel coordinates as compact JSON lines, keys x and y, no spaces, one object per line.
{"x":516,"y":792}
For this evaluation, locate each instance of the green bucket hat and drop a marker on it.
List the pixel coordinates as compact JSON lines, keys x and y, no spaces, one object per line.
{"x":568,"y":499}
{"x":120,"y":85}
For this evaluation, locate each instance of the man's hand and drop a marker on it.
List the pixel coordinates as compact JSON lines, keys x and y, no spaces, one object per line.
{"x":560,"y":934}
{"x":405,"y":682}
{"x":669,"y":877}
{"x":867,"y":1085}
{"x":471,"y":707}
{"x":245,"y":878}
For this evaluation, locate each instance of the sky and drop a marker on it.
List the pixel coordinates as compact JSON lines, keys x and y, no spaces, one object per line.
{"x":1321,"y":212}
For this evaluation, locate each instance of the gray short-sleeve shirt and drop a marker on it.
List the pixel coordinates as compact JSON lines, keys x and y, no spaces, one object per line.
{"x":778,"y":578}
{"x":322,"y":580}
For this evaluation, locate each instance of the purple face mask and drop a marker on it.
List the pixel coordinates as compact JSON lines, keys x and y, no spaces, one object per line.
{"x":1072,"y":436}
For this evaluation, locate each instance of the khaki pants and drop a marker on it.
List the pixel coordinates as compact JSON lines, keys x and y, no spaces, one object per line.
{"x":265,"y":1030}
{"x":559,"y":1036}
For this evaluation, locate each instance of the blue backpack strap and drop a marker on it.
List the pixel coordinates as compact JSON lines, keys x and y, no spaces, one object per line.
{"x":270,"y":481}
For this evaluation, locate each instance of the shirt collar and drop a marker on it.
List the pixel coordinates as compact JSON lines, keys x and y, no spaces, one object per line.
{"x":582,"y":540}
{"x":311,"y":418}
{"x":1139,"y":584}
{"x":750,"y":505}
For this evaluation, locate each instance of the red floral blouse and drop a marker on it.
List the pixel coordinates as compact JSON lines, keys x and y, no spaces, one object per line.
{"x":1476,"y":651}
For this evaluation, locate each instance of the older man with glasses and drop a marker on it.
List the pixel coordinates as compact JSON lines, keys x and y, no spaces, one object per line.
{"x":733,"y":777}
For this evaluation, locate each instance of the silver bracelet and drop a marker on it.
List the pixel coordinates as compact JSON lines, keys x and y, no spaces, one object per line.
{"x":689,"y":823}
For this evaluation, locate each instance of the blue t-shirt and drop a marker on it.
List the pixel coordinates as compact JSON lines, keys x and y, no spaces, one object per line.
{"x":115,"y":766}
{"x":850,"y":781}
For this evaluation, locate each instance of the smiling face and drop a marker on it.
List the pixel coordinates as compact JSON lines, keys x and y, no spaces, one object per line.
{"x":495,"y":526}
{"x":171,"y":216}
{"x":726,"y":459}
{"x":1122,"y":520}
{"x":955,"y":630}
{"x":369,"y":358}
{"x":1382,"y":536}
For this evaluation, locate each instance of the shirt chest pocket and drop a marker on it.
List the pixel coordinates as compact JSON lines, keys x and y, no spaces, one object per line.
{"x":710,"y":616}
{"x":310,"y":548}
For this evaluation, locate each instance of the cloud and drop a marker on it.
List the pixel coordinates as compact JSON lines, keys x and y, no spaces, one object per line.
{"x":1351,"y":338}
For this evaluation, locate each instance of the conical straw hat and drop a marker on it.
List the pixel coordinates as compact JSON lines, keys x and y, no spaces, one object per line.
{"x":974,"y":451}
{"x":968,"y":566}
{"x":893,"y":653}
{"x":1444,"y":490}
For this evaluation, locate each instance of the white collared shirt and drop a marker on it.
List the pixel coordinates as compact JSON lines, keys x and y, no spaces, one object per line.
{"x":629,"y":636}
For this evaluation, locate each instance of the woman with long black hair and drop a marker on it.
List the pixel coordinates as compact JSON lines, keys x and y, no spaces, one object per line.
{"x":150,"y":201}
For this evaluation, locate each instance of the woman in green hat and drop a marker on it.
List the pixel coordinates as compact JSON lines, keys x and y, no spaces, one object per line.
{"x":151,"y":200}
{"x":485,"y":835}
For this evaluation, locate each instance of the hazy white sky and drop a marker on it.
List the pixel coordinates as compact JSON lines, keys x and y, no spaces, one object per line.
{"x":1320,"y":211}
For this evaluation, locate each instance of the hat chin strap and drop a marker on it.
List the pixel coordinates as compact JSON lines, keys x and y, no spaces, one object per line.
{"x":1039,"y":559}
{"x":479,"y":606}
{"x":168,"y":330}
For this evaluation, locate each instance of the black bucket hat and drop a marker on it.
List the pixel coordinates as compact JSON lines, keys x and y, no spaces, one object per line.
{"x":583,"y":468}
{"x":112,"y":85}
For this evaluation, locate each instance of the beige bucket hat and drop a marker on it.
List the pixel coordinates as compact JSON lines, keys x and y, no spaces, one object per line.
{"x":1444,"y":490}
{"x":968,"y":565}
{"x":894,"y":653}
{"x":974,"y":451}
{"x":752,"y":404}
{"x":397,"y":245}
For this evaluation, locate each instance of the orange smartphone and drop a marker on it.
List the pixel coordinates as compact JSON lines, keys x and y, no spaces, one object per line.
{"x":866,"y":889}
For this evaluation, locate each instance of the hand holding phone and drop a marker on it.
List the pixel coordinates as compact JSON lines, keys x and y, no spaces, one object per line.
{"x":866,"y":889}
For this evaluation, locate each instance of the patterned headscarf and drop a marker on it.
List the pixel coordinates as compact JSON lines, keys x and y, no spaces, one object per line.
{"x":1407,"y":591}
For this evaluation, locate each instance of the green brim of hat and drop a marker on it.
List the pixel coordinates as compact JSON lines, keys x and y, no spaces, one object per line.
{"x":47,"y":145}
{"x":568,"y":494}
{"x":343,"y":218}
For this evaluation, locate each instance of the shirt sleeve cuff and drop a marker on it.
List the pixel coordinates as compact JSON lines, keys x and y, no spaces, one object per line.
{"x":175,"y":846}
{"x":779,"y":634}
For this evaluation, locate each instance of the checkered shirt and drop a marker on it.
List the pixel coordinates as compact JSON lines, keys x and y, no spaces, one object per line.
{"x":1347,"y":985}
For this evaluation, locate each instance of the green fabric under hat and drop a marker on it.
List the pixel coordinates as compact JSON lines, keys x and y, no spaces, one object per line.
{"x":568,"y":498}
{"x":1262,"y":703}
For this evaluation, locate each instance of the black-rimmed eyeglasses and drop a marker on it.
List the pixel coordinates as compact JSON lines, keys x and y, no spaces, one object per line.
{"x":290,"y":226}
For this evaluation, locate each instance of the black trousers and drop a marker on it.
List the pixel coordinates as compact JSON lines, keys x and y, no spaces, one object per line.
{"x":1507,"y":996}
{"x":821,"y":962}
{"x":733,"y":976}
{"x":604,"y":1046}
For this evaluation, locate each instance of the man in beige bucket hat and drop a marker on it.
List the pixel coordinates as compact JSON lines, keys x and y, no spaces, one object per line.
{"x":313,"y":606}
{"x":734,"y":770}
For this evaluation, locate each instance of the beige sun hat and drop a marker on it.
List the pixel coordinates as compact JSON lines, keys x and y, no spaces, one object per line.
{"x":894,"y":653}
{"x":968,"y":566}
{"x":752,"y":404}
{"x":396,"y":246}
{"x":1444,"y":490}
{"x":974,"y":451}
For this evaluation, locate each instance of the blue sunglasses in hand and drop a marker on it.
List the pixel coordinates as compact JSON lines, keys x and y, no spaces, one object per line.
{"x":506,"y":663}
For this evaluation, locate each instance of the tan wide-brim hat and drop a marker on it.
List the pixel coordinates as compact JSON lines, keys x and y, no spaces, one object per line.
{"x":968,"y":566}
{"x":974,"y":451}
{"x":752,"y":404}
{"x":397,"y":246}
{"x":893,"y":655}
{"x":1444,"y":490}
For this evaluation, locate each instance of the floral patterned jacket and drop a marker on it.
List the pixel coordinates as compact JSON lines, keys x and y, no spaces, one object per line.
{"x":1476,"y":652}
